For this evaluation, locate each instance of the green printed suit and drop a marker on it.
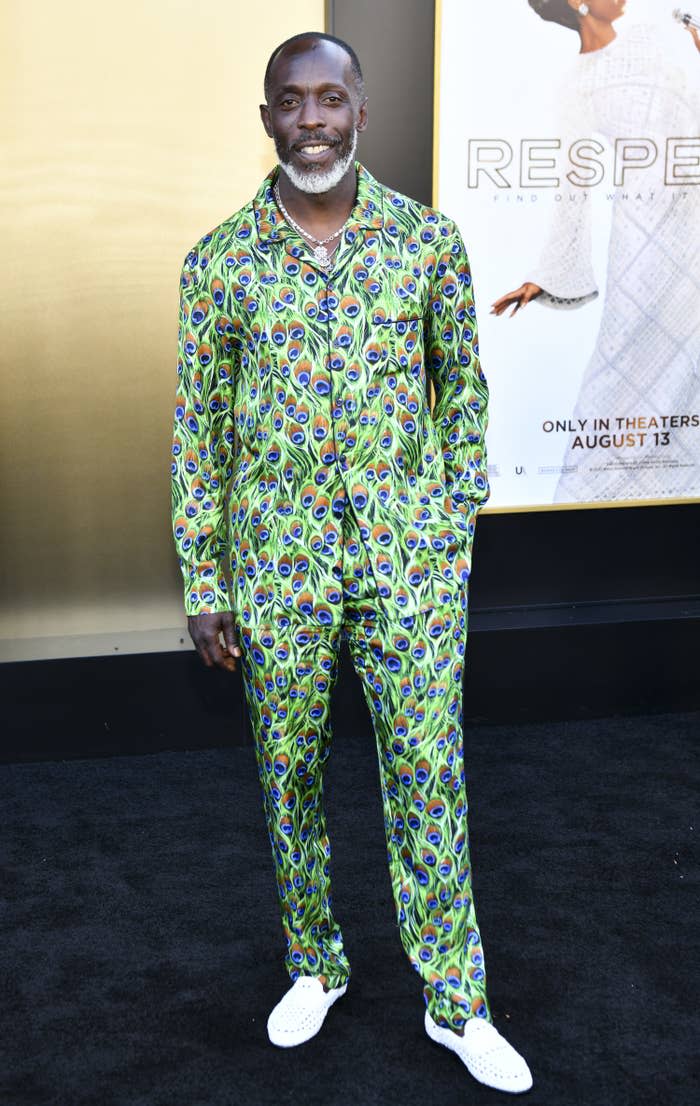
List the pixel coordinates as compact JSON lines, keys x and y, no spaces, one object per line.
{"x":309,"y":468}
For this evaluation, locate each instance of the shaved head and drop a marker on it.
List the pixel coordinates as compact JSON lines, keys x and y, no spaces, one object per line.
{"x":308,"y":40}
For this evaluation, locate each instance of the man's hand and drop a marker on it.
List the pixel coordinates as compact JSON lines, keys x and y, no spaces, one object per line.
{"x":206,"y":631}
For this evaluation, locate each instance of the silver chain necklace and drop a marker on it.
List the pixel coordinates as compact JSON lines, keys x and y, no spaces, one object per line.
{"x":320,"y":252}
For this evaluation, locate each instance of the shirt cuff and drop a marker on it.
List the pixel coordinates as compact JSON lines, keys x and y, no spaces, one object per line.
{"x":206,"y":589}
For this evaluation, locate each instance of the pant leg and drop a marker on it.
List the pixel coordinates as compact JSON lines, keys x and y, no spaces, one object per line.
{"x":412,"y":680}
{"x":288,"y":677}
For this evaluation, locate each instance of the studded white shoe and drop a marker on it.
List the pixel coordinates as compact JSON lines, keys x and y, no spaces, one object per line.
{"x":299,"y":1015}
{"x":487,"y":1054}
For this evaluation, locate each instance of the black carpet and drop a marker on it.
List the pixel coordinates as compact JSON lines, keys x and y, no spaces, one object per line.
{"x":141,"y":950}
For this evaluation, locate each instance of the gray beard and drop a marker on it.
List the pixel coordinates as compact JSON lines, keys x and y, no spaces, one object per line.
{"x":315,"y":182}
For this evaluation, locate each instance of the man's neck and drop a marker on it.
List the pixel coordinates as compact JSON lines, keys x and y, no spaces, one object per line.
{"x":596,"y":33}
{"x":320,"y":212}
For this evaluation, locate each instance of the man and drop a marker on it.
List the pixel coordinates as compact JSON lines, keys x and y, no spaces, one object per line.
{"x":306,"y":454}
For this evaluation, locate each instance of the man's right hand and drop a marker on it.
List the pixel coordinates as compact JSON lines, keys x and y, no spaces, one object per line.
{"x":206,"y":631}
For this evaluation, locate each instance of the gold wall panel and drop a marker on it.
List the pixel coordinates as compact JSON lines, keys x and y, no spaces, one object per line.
{"x":129,"y":130}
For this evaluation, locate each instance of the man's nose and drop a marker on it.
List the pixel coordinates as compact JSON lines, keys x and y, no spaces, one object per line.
{"x":311,"y":114}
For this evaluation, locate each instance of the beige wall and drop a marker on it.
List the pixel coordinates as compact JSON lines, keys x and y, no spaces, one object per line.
{"x":130,"y":130}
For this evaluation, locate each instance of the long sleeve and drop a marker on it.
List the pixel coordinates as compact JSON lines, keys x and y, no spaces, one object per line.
{"x":202,"y":444}
{"x":460,"y":413}
{"x":564,"y":270}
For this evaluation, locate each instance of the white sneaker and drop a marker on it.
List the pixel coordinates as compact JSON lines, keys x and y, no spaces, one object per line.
{"x":487,"y":1054}
{"x":299,"y":1015}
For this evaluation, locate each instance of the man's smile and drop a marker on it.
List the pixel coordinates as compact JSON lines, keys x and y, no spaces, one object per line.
{"x":314,"y":150}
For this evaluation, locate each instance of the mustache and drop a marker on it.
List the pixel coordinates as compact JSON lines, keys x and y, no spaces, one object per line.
{"x":317,"y":140}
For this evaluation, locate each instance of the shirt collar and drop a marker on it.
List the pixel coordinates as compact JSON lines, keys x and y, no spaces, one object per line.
{"x":367,"y":212}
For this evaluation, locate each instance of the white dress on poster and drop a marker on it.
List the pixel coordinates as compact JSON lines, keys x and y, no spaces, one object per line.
{"x":640,"y":389}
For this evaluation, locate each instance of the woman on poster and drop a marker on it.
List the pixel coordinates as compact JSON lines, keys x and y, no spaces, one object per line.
{"x":645,"y":363}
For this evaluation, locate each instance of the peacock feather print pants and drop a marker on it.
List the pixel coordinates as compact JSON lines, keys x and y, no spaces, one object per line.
{"x":412,"y":682}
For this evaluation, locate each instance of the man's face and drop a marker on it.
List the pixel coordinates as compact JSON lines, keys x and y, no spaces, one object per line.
{"x":313,"y":114}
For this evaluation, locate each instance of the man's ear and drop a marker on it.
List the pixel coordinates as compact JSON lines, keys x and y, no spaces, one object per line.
{"x":362,"y":115}
{"x":265,"y":116}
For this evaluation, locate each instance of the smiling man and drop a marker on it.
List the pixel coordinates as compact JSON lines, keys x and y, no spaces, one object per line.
{"x":309,"y":467}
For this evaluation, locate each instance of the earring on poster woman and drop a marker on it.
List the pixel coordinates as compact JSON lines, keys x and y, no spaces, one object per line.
{"x":583,"y":9}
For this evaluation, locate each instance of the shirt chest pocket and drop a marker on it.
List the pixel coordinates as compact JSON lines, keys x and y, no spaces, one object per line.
{"x":401,"y":345}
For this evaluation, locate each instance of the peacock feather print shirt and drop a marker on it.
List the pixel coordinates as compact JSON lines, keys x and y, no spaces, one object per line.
{"x":303,"y":391}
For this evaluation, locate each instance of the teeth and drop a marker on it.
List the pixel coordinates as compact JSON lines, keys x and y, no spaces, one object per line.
{"x":315,"y":149}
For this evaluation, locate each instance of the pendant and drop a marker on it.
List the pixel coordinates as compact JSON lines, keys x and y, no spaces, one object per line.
{"x":322,"y":256}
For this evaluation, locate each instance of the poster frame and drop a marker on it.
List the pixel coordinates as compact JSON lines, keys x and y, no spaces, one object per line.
{"x":520,"y":508}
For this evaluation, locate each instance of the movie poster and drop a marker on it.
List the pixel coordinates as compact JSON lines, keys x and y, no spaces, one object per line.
{"x":576,"y":175}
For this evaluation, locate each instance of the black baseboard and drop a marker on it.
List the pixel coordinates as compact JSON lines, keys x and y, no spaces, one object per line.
{"x":535,"y":664}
